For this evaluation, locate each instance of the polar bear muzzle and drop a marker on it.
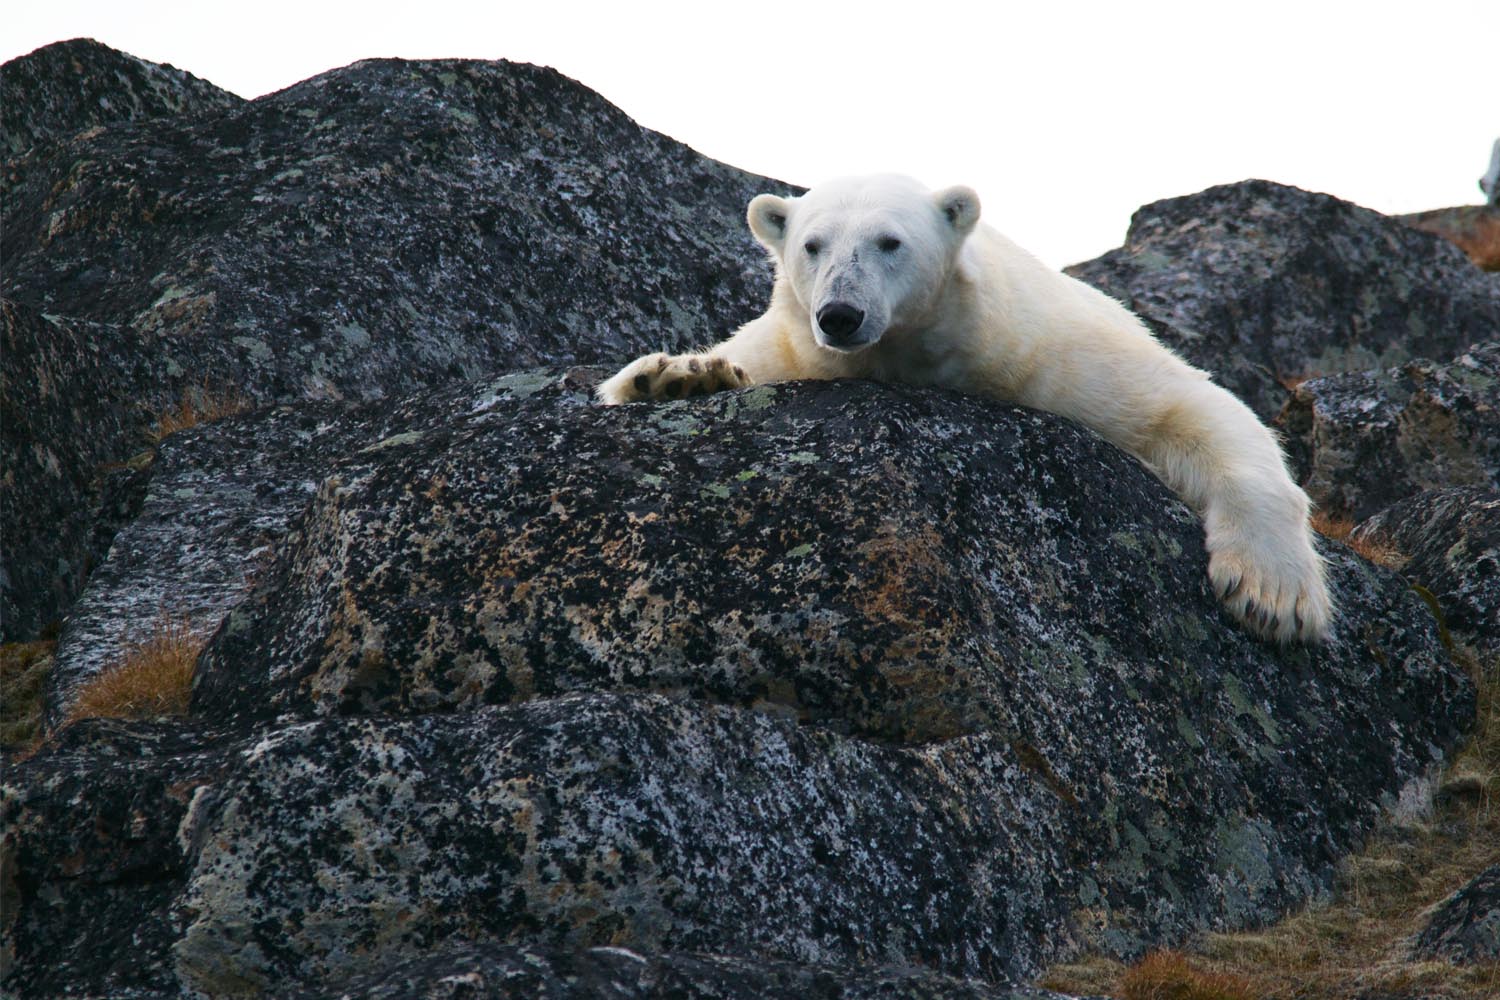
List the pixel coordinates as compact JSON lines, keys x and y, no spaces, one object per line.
{"x":840,"y":323}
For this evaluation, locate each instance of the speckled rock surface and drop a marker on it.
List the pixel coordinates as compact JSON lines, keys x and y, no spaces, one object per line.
{"x":1365,"y":440}
{"x":1466,"y":926}
{"x":382,"y":228}
{"x":218,"y":500}
{"x":1450,"y":540}
{"x":65,"y":439}
{"x":834,"y":673}
{"x":65,"y":88}
{"x":1260,"y":282}
{"x":530,"y":973}
{"x":386,"y":227}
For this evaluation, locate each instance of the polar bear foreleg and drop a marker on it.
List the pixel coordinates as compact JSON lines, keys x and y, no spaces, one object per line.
{"x":1215,"y":453}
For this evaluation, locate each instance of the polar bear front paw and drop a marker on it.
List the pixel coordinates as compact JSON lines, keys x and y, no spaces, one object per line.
{"x":672,"y":376}
{"x":1276,"y":590}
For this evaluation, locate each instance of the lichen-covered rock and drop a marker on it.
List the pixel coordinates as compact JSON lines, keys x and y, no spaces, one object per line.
{"x":1365,"y":440}
{"x":218,"y":500}
{"x":386,"y":227}
{"x":90,"y":855}
{"x":970,"y":586}
{"x":65,"y":440}
{"x":1262,"y":283}
{"x":531,"y":973}
{"x":1465,"y":927}
{"x":1449,"y":543}
{"x":64,"y":88}
{"x":380,"y":229}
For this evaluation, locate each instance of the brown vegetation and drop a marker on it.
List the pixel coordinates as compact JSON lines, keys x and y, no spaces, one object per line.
{"x":1167,"y":975}
{"x":198,"y":405}
{"x":154,"y":678}
{"x":23,"y":672}
{"x":1357,"y":943}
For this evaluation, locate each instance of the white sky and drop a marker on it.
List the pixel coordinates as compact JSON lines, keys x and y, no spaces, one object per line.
{"x":1065,"y":115}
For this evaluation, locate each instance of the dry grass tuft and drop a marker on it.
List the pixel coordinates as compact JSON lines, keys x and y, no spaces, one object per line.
{"x":1357,"y":944}
{"x":23,"y":674}
{"x":155,"y":677}
{"x":199,"y":405}
{"x":1167,"y":975}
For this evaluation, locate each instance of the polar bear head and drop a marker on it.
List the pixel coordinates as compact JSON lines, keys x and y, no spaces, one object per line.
{"x":865,"y":256}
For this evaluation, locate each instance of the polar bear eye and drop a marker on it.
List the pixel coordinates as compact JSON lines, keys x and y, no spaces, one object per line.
{"x":812,"y":247}
{"x":889,"y":244}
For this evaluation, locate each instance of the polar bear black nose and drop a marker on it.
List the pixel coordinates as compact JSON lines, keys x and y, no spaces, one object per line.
{"x":839,"y":320}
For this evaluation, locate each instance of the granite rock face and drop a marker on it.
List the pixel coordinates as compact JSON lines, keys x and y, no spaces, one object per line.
{"x":65,"y":443}
{"x":380,"y":229}
{"x":1262,"y":284}
{"x":834,"y":673}
{"x":217,"y":499}
{"x":1450,"y":542}
{"x":63,"y":89}
{"x":1365,"y":440}
{"x":1466,"y":926}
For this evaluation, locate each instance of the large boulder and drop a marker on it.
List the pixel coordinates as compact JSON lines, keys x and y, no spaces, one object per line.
{"x":1266,"y":285}
{"x":1365,"y":440}
{"x":68,"y":87}
{"x":215,"y":502}
{"x":834,"y":673}
{"x":1465,"y":927}
{"x":379,"y":229}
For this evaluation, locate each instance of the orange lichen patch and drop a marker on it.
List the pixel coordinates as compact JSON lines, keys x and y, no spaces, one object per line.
{"x":1167,"y":975}
{"x":155,"y":677}
{"x":197,"y":406}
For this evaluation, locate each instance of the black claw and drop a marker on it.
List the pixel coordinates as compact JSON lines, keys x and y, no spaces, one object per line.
{"x":1232,"y":588}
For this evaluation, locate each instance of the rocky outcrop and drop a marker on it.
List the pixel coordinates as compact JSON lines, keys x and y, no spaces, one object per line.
{"x":382,"y":228}
{"x":63,"y":89}
{"x":1448,"y":542}
{"x":1265,"y":284}
{"x":813,"y":689}
{"x":67,"y":435}
{"x":1465,"y":927}
{"x":834,"y":673}
{"x":1366,"y":440}
{"x":219,"y":499}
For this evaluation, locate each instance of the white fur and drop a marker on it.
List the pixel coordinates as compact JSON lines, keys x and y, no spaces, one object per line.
{"x":947,"y":301}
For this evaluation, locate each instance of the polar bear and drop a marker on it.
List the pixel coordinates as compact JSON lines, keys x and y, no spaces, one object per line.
{"x":878,"y":277}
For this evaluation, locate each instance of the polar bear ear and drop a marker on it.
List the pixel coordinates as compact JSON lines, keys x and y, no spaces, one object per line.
{"x":768,"y":216}
{"x":960,"y":206}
